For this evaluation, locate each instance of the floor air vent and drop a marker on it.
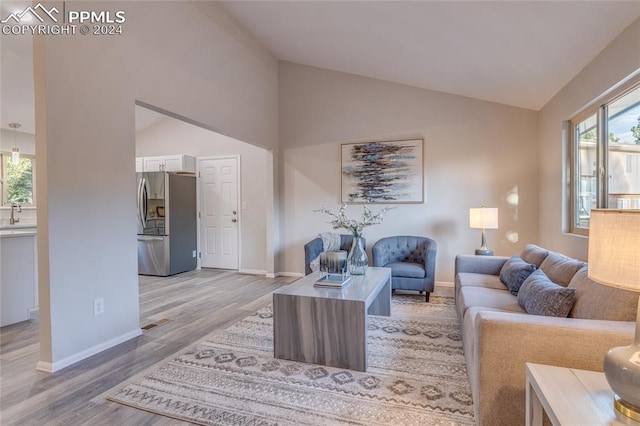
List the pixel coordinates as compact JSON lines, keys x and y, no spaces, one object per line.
{"x":155,"y":324}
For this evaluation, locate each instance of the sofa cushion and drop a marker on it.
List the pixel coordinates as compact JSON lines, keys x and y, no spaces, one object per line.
{"x":560,"y":269}
{"x":471,"y":279}
{"x":601,"y":302}
{"x":486,"y":298}
{"x":514,"y":272}
{"x":531,"y":253}
{"x":540,"y":296}
{"x":406,"y":269}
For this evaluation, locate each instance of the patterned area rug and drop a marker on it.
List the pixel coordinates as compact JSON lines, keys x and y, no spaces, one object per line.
{"x":416,"y":376}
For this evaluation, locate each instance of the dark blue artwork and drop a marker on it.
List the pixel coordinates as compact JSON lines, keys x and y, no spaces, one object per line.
{"x":382,"y":172}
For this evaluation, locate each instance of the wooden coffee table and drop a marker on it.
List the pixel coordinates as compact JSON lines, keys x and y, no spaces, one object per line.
{"x":328,"y":326}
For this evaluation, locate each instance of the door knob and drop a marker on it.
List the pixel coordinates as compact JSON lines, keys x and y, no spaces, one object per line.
{"x":234,"y":220}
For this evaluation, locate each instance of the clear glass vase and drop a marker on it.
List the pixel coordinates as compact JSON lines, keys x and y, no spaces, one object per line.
{"x":357,"y":260}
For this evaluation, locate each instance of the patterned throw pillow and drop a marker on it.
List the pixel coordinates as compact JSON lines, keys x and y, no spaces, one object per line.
{"x":540,"y":296}
{"x":514,"y":272}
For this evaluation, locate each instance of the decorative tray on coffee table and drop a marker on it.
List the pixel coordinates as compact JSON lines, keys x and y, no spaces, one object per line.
{"x":333,"y":280}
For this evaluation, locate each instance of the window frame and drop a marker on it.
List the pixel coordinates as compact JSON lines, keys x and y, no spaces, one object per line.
{"x":3,"y":179}
{"x":599,"y":108}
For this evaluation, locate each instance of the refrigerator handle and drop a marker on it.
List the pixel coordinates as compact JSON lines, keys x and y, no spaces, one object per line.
{"x":145,"y":200}
{"x":138,"y":195}
{"x":142,"y":204}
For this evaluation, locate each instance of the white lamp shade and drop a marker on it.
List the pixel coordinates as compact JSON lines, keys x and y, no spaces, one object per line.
{"x":614,"y":248}
{"x":483,"y":218}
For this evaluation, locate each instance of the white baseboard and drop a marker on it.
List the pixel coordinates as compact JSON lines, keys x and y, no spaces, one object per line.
{"x":49,"y":367}
{"x":252,"y":272}
{"x":270,"y":275}
{"x":444,"y":284}
{"x":34,"y":313}
{"x":290,"y":274}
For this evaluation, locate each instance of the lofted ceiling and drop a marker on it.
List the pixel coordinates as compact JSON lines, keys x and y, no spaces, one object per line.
{"x":518,"y":53}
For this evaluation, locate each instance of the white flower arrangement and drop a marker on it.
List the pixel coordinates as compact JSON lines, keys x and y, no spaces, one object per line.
{"x":356,"y":227}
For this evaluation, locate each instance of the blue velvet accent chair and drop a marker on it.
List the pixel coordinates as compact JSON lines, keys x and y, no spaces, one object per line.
{"x":314,"y":247}
{"x":412,"y":261}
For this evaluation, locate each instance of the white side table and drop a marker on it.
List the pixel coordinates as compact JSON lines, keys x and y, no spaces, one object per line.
{"x":569,"y":397}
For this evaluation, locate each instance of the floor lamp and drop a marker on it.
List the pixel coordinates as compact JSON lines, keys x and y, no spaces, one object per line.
{"x":614,"y":249}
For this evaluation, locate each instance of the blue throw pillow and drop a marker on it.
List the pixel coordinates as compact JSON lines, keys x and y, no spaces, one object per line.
{"x":541,"y":296}
{"x":514,"y":272}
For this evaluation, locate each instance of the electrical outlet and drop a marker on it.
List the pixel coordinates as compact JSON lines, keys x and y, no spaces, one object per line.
{"x":98,"y":306}
{"x":193,"y":253}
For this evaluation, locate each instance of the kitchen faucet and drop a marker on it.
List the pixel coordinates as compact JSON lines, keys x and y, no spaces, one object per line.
{"x":13,"y":220}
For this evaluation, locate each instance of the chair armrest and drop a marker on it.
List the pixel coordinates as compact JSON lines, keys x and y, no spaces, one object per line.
{"x":311,"y":250}
{"x":379,"y":253}
{"x":504,"y":342}
{"x":489,"y":265}
{"x":429,"y":260}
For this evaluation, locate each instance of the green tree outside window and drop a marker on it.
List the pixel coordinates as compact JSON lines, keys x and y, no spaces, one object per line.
{"x":19,"y":181}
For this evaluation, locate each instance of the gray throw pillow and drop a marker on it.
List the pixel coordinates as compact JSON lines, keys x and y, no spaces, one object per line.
{"x":514,"y":272}
{"x":560,"y":268}
{"x":538,"y":295}
{"x":531,"y":253}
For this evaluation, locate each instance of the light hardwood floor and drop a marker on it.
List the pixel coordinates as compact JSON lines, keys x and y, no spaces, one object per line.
{"x":196,"y":303}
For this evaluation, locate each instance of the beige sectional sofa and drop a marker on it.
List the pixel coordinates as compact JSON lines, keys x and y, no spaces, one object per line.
{"x":499,"y":336}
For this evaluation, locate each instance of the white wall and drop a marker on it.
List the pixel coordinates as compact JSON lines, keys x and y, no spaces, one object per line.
{"x":185,"y":57}
{"x":617,"y":61}
{"x":475,"y":153}
{"x":170,"y":136}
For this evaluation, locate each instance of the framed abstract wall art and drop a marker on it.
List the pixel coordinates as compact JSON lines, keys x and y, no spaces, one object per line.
{"x":383,"y":172}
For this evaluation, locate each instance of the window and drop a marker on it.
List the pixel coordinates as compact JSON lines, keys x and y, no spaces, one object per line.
{"x":605,"y":157}
{"x":18,"y":180}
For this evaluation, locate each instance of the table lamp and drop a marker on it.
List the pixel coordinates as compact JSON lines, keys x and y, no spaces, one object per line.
{"x":483,"y":218}
{"x":614,"y":249}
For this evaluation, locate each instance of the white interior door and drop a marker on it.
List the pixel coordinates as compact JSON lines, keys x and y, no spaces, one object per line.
{"x":219,"y":213}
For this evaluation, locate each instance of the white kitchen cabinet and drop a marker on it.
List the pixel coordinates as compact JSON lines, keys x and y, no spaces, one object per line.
{"x":18,"y":276}
{"x":180,"y":163}
{"x":169,"y":163}
{"x":139,"y":164}
{"x":153,"y":164}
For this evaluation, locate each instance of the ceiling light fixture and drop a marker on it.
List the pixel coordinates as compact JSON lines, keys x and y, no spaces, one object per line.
{"x":15,"y":153}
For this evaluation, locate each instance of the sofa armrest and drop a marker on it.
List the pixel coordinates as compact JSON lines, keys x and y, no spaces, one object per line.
{"x":489,"y":265}
{"x":504,"y":342}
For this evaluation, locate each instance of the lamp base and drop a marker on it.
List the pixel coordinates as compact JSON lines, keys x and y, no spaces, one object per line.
{"x":629,"y":411}
{"x":484,"y":252}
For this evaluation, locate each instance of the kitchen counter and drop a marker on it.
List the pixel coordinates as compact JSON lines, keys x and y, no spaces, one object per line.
{"x":17,"y":232}
{"x":20,"y":225}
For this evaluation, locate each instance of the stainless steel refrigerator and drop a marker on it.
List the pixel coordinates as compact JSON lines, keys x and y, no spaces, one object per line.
{"x":167,"y":223}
